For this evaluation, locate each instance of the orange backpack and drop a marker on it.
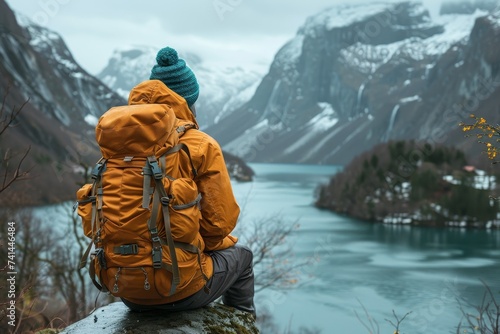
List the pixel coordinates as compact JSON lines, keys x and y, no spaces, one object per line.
{"x":137,"y":190}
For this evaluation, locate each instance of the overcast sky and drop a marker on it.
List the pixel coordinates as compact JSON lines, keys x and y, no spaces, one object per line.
{"x":236,"y":32}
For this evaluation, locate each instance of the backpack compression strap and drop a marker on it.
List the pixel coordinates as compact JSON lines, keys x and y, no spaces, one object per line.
{"x":96,"y":199}
{"x":160,"y":196}
{"x":185,"y":246}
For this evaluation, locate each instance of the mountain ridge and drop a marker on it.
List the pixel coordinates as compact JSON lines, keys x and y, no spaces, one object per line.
{"x":364,"y":83}
{"x":356,"y":75}
{"x":337,"y":88}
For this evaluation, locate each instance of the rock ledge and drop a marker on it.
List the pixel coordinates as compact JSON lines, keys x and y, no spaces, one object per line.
{"x":212,"y":319}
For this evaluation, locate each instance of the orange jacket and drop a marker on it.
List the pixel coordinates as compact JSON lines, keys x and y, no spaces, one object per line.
{"x":219,"y":208}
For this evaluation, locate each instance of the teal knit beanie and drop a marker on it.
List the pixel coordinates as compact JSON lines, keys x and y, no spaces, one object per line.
{"x":176,"y":75}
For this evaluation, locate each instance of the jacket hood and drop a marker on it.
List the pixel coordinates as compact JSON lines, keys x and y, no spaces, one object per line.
{"x":156,"y":92}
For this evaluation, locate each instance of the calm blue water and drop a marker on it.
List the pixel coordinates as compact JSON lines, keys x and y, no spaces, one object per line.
{"x":357,"y":266}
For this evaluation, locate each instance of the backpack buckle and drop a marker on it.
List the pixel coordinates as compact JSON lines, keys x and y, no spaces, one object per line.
{"x":130,"y":249}
{"x":156,"y":252}
{"x":155,"y":168}
{"x":165,"y":200}
{"x":97,"y":170}
{"x":156,"y":258}
{"x":99,"y":254}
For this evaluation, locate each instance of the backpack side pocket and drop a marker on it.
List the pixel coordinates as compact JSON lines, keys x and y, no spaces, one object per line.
{"x":85,"y":202}
{"x":185,"y":213}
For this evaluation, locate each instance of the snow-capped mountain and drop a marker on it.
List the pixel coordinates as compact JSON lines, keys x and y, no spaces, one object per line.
{"x":222,"y":89}
{"x":360,"y":74}
{"x":354,"y":76}
{"x":37,"y":67}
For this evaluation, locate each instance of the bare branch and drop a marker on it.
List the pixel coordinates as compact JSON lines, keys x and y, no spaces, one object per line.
{"x":6,"y":120}
{"x":487,"y":318}
{"x":398,"y":321}
{"x":372,"y":325}
{"x":17,"y":175}
{"x":273,"y":256}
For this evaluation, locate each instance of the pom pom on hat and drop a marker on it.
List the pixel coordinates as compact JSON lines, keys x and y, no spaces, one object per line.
{"x":167,"y":57}
{"x":176,"y":75}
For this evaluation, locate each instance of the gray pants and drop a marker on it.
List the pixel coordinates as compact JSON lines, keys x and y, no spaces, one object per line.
{"x":233,"y":279}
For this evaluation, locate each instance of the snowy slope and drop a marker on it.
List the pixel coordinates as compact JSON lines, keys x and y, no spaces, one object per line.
{"x":356,"y":75}
{"x":89,"y":97}
{"x":457,"y":29}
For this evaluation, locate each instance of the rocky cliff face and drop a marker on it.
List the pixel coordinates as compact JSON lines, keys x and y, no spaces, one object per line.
{"x":358,"y":75}
{"x":63,"y":103}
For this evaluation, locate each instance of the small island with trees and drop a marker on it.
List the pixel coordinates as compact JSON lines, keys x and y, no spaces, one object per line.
{"x":415,"y":183}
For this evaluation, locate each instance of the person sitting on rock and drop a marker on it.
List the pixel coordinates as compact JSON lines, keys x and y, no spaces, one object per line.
{"x":226,"y":268}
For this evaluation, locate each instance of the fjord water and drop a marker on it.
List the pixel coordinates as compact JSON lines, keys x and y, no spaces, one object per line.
{"x":356,"y":269}
{"x":361,"y":270}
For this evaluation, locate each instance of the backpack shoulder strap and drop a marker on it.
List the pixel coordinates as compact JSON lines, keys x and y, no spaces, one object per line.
{"x":161,"y":197}
{"x":185,"y":148}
